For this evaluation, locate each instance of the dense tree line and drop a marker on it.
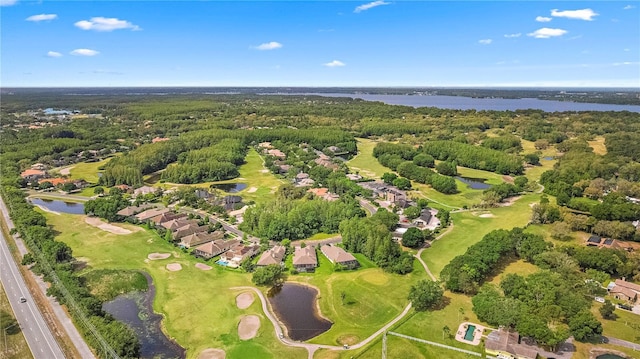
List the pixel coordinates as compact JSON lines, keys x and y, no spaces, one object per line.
{"x":474,"y":157}
{"x":467,"y":271}
{"x":371,"y":237}
{"x":509,"y":143}
{"x":298,"y":218}
{"x":106,"y":207}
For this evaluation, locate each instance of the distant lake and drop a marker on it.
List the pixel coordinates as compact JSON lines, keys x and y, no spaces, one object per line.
{"x":59,"y":206}
{"x":469,"y":103}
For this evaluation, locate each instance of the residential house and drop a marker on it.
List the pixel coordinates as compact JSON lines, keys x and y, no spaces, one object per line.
{"x":212,"y":249}
{"x":325,"y":161}
{"x":236,"y":255}
{"x":123,"y":187}
{"x":282,"y":169}
{"x":265,"y":145}
{"x":144,"y":190}
{"x":203,"y":194}
{"x":305,"y":259}
{"x":159,"y":139}
{"x":196,"y":239}
{"x":150,"y":213}
{"x":302,"y":180}
{"x":38,"y":166}
{"x":132,"y":210}
{"x":424,"y":219}
{"x":397,"y":197}
{"x":594,"y":241}
{"x":623,"y":290}
{"x":337,"y":255}
{"x":188,"y":230}
{"x":324,"y":194}
{"x":230,"y":203}
{"x":166,"y":217}
{"x":354,"y":176}
{"x":175,"y":223}
{"x":272,"y":256}
{"x":55,"y":182}
{"x":506,"y":345}
{"x":33,"y":175}
{"x":276,"y":153}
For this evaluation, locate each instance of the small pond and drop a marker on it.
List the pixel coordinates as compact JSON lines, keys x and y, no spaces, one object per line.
{"x":59,"y":206}
{"x":474,"y":183}
{"x":135,"y":309}
{"x":609,"y":356}
{"x":295,"y":306}
{"x":547,"y":158}
{"x":230,"y":187}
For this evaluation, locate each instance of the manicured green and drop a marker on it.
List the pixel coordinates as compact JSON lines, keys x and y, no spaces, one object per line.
{"x":626,"y":325}
{"x":87,"y":171}
{"x":469,"y":228}
{"x":198,"y":306}
{"x":518,"y":267}
{"x":364,"y":162}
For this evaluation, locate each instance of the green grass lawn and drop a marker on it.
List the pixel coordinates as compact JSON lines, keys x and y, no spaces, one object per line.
{"x":199,"y":309}
{"x":15,"y":345}
{"x":364,"y":163}
{"x":599,"y":148}
{"x":626,"y":326}
{"x":261,"y":184}
{"x":469,"y":228}
{"x":87,"y":171}
{"x":534,"y":173}
{"x":364,"y":309}
{"x":518,"y":267}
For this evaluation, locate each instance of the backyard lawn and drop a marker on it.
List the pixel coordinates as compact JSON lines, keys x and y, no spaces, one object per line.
{"x":87,"y":171}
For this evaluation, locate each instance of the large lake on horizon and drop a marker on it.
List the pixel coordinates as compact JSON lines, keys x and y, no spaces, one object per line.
{"x":470,"y":103}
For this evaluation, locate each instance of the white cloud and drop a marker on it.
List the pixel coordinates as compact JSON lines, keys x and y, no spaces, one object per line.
{"x":8,"y":2}
{"x":626,"y":63}
{"x":545,"y":33}
{"x":269,"y":46}
{"x":583,"y":14}
{"x":54,"y":54}
{"x":84,"y":52}
{"x":485,"y":41}
{"x":628,"y":7}
{"x":105,"y":24}
{"x":543,"y":19}
{"x":627,"y":50}
{"x":334,"y":63}
{"x":42,"y":17}
{"x":511,"y":36}
{"x":370,"y":5}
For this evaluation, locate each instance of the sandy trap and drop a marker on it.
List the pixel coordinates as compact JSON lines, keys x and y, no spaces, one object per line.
{"x":248,"y":327}
{"x":212,"y":353}
{"x":486,"y":215}
{"x":203,"y":266}
{"x":97,"y":222}
{"x":174,"y":267}
{"x":244,"y":300}
{"x":156,"y":256}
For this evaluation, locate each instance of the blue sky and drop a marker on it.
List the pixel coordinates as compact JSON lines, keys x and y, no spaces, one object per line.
{"x":320,"y":43}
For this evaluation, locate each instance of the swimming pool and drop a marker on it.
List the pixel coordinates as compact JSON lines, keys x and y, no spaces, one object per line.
{"x":469,"y":334}
{"x":222,"y":262}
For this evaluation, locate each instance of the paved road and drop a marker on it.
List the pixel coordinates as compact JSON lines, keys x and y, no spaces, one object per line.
{"x":622,"y":343}
{"x":39,"y":338}
{"x":311,"y":348}
{"x":368,"y":206}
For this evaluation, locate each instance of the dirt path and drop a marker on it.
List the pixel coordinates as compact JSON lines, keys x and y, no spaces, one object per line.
{"x":419,"y":254}
{"x":311,"y":348}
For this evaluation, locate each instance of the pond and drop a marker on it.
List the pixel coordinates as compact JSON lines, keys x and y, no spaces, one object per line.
{"x":547,"y":158}
{"x":135,"y":310}
{"x":474,"y":183}
{"x":296,"y":307}
{"x":230,"y":187}
{"x":609,"y":356}
{"x":59,"y":206}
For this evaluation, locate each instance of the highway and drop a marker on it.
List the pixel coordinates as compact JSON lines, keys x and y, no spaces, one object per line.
{"x":39,"y":338}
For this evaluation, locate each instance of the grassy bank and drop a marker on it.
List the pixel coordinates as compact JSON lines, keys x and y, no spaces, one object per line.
{"x":87,"y":171}
{"x":364,"y":162}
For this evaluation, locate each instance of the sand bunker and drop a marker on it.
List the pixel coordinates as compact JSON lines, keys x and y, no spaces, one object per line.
{"x":252,"y":189}
{"x":156,"y":256}
{"x":66,"y":171}
{"x":97,"y":222}
{"x":212,"y":353}
{"x":244,"y":300}
{"x":486,"y":215}
{"x":264,"y":171}
{"x":174,"y":267}
{"x":248,"y":327}
{"x":203,"y":266}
